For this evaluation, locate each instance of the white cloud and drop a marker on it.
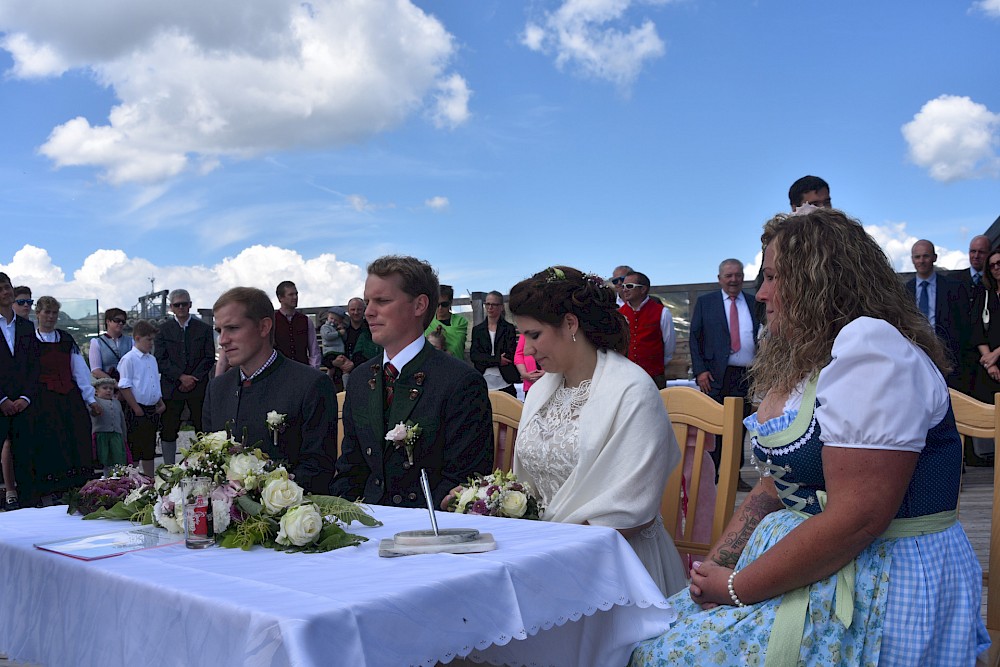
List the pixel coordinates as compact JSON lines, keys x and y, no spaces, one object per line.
{"x":200,"y":82}
{"x":591,"y":38}
{"x":988,"y":7}
{"x":896,"y":243}
{"x":451,"y":107}
{"x":437,"y":203}
{"x":359,"y":203}
{"x":116,"y":279}
{"x":955,"y":138}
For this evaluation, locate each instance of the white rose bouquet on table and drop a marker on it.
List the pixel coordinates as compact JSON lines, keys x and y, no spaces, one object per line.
{"x":253,"y":501}
{"x":499,"y":494}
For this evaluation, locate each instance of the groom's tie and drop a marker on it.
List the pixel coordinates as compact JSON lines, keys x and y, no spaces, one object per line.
{"x":390,"y":374}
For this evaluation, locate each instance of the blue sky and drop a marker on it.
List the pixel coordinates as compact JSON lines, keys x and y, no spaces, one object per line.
{"x":244,"y":143}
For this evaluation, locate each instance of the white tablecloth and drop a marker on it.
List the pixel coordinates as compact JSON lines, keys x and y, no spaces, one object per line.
{"x":551,"y":594}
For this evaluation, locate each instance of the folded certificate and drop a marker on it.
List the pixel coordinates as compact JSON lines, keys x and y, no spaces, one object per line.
{"x":117,"y":543}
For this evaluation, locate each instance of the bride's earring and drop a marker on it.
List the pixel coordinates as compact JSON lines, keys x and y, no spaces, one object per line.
{"x":573,"y":336}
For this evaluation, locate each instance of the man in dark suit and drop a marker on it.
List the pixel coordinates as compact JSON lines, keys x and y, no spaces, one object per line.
{"x":973,"y":283}
{"x":185,"y":353}
{"x":724,"y":341}
{"x":442,"y":401}
{"x":260,"y":381}
{"x":19,"y":369}
{"x":942,"y":300}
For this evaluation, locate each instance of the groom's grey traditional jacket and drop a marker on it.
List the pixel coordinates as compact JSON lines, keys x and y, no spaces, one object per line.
{"x":446,"y":398}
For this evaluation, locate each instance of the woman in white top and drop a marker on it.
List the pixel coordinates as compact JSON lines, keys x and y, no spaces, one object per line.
{"x":848,"y":550}
{"x":595,"y":441}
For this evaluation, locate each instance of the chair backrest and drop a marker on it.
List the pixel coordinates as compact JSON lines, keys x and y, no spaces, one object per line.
{"x":506,"y":421}
{"x":981,"y":420}
{"x":340,"y":419}
{"x":690,"y":407}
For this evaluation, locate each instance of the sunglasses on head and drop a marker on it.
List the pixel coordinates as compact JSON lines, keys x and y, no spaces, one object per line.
{"x":24,"y":302}
{"x":181,"y":304}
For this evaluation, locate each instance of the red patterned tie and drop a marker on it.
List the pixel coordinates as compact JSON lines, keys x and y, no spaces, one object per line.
{"x":734,"y":325}
{"x":389,"y":377}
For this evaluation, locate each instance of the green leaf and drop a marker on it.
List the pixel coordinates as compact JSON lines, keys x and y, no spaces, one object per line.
{"x":250,"y":506}
{"x":118,"y":512}
{"x":344,"y":510}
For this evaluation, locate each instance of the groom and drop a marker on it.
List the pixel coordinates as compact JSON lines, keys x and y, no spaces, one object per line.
{"x":441,"y":398}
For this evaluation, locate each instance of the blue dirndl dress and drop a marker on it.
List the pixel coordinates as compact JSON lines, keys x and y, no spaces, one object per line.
{"x":916,"y":598}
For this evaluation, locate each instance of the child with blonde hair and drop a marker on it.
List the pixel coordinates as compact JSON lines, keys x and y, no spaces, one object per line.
{"x":109,"y":427}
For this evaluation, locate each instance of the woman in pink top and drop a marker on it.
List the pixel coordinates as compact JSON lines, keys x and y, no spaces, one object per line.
{"x":526,"y":365}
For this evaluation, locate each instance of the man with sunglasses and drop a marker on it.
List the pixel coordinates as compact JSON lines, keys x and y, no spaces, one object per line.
{"x":651,"y":337}
{"x":185,"y":354}
{"x":23,"y":302}
{"x":617,"y":278}
{"x":454,"y":327}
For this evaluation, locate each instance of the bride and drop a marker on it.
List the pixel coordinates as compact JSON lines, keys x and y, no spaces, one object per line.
{"x":595,"y":441}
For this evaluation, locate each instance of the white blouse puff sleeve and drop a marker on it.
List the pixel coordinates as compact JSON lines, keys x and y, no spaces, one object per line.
{"x":880,"y":391}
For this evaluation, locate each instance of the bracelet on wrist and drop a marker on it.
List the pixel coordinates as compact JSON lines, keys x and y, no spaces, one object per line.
{"x":732,"y":593}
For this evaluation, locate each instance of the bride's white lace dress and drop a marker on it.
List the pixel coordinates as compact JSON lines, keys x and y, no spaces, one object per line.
{"x":600,"y":453}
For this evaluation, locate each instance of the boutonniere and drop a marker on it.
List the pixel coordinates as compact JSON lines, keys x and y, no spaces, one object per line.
{"x":376,"y":369}
{"x":404,"y":436}
{"x":276,"y":424}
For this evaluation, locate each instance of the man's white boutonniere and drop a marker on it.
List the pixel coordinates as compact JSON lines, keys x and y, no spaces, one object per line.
{"x":275,"y":424}
{"x":404,"y":436}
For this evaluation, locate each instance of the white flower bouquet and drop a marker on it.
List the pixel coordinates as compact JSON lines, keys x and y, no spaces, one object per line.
{"x":499,"y":494}
{"x":253,"y":501}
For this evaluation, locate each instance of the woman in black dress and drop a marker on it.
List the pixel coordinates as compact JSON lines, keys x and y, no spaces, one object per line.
{"x":986,"y":332}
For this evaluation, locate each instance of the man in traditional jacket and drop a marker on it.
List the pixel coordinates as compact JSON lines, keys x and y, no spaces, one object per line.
{"x":261,"y":380}
{"x":440,"y":402}
{"x":294,"y":333}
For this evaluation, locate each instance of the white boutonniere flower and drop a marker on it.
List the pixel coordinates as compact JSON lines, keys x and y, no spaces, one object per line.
{"x":276,"y":424}
{"x":404,"y":436}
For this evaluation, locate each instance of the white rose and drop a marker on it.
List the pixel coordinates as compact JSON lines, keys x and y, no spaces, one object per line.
{"x":467,"y":498}
{"x":275,"y":419}
{"x":279,"y":494}
{"x":514,"y":504}
{"x":217,"y":441}
{"x":300,"y":525}
{"x":397,"y":434}
{"x":243,"y":465}
{"x":172,"y":519}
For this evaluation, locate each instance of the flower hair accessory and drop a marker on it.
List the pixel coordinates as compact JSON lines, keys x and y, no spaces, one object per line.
{"x":595,"y":280}
{"x":555,"y":274}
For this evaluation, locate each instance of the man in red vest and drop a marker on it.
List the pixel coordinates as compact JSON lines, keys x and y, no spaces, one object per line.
{"x":650,"y":328}
{"x":294,"y":333}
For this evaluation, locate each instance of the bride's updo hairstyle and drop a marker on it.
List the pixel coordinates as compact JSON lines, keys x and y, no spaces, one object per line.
{"x":549,"y":295}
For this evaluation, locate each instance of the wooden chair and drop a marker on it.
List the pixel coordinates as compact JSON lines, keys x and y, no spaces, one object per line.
{"x":690,"y":407}
{"x":506,"y":421}
{"x":340,"y":419}
{"x":981,"y":420}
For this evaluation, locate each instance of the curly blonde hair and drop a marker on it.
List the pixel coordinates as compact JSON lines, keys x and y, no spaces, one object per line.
{"x":829,"y":273}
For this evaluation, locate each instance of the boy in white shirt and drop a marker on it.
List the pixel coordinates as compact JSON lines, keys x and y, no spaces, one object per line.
{"x":140,"y":388}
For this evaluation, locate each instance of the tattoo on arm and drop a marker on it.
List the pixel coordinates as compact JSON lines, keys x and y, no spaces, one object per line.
{"x":753,"y":510}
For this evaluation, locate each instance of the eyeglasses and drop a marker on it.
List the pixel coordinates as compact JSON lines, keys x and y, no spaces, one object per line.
{"x":993,"y":265}
{"x":618,"y":281}
{"x":118,"y":320}
{"x":181,"y":304}
{"x":444,"y":304}
{"x":632,"y":285}
{"x":24,"y":302}
{"x":493,"y":305}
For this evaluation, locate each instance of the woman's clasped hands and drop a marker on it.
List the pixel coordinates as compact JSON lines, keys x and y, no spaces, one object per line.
{"x":710,"y":584}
